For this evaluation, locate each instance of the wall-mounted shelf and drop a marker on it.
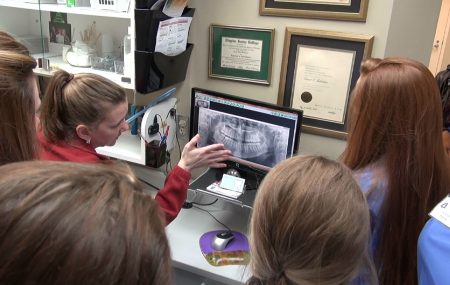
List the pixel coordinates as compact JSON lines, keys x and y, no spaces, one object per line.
{"x":23,"y":19}
{"x":117,"y":78}
{"x":64,"y":9}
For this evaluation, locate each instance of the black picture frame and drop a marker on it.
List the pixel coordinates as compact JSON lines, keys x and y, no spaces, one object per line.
{"x":348,"y":10}
{"x":360,"y":46}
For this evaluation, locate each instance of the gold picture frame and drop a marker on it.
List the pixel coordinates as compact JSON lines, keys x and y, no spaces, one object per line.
{"x":346,"y":10}
{"x":318,"y":71}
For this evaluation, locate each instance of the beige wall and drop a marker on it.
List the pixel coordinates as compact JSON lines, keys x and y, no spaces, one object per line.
{"x":412,"y":29}
{"x":246,"y":13}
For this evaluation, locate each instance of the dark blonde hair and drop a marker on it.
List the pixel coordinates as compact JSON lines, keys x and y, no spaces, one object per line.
{"x":71,"y":100}
{"x":396,"y":114}
{"x":17,"y":106}
{"x":310,"y":224}
{"x":68,"y":223}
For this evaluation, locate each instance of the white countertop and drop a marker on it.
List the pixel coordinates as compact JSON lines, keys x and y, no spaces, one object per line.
{"x":185,"y":231}
{"x":184,"y":234}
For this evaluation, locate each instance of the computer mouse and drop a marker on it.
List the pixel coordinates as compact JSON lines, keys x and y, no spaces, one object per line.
{"x":221,"y":240}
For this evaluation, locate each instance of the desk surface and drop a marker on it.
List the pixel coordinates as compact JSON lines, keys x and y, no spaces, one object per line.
{"x":185,"y":231}
{"x":184,"y":234}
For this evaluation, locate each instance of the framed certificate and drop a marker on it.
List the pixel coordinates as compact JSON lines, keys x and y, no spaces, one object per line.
{"x":350,"y":10}
{"x":319,"y":70}
{"x":241,"y":53}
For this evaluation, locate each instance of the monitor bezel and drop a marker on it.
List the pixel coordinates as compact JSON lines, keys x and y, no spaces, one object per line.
{"x":299,"y":113}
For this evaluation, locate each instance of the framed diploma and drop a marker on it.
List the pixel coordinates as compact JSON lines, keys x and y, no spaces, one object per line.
{"x":319,"y":70}
{"x":241,"y":53}
{"x":350,"y":10}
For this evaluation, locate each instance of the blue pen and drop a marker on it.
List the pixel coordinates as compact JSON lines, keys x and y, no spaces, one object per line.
{"x":158,"y":100}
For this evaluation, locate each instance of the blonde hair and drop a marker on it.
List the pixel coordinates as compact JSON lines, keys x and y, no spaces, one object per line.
{"x":17,"y":106}
{"x":69,"y":223}
{"x":310,"y":224}
{"x":71,"y":100}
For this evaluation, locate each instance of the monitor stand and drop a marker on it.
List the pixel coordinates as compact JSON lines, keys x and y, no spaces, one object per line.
{"x":253,"y":178}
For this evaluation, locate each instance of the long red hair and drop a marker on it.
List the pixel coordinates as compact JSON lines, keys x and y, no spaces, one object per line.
{"x":396,"y":114}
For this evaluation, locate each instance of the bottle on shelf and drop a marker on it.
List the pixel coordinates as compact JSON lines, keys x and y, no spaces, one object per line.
{"x":127,"y":55}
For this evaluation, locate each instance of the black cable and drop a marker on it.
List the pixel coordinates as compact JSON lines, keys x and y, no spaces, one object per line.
{"x":176,"y":135}
{"x":208,"y":204}
{"x":170,"y":163}
{"x":167,"y":162}
{"x":225,"y":226}
{"x":168,"y":113}
{"x":149,"y":184}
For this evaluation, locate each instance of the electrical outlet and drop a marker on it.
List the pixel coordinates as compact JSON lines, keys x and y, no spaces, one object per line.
{"x":183,"y":126}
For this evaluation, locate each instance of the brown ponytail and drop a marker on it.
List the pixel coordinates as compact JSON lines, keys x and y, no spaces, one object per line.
{"x":71,"y":100}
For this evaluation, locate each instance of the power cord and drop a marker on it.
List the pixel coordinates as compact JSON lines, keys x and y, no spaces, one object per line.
{"x":168,"y":163}
{"x":176,"y":135}
{"x":207,"y":204}
{"x":225,"y":226}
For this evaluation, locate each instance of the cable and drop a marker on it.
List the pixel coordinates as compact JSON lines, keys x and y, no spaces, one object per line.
{"x":208,"y":204}
{"x":162,"y":123}
{"x":176,"y":134}
{"x":167,"y":162}
{"x":149,"y":184}
{"x":225,"y":226}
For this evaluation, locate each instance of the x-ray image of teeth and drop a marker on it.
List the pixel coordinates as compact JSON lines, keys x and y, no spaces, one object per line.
{"x":250,"y":140}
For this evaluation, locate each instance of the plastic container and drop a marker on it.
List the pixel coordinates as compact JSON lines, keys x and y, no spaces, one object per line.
{"x":118,"y":66}
{"x":127,"y":54}
{"x":103,"y":63}
{"x":77,"y":3}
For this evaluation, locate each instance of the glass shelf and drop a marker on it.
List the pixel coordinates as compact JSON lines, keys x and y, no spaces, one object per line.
{"x":64,"y":9}
{"x":59,"y":63}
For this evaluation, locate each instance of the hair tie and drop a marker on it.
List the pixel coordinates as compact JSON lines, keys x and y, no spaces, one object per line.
{"x":68,"y":79}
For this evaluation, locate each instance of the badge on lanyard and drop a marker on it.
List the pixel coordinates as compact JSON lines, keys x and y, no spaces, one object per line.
{"x":441,"y":212}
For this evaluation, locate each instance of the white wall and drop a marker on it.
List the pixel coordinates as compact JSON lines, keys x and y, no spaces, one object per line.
{"x":412,"y":29}
{"x":399,"y":27}
{"x":389,"y":21}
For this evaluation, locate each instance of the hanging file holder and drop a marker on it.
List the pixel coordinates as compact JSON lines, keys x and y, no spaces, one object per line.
{"x":154,"y":70}
{"x":147,"y":24}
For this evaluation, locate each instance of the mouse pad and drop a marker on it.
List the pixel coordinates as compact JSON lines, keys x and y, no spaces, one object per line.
{"x":236,"y":252}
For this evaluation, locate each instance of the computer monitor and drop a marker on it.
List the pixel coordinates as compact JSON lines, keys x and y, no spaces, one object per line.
{"x":259,"y":134}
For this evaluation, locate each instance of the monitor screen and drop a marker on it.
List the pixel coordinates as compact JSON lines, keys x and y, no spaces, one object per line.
{"x":258,"y":134}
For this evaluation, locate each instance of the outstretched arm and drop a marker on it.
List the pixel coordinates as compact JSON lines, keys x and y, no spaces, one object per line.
{"x":171,"y":197}
{"x":212,"y":155}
